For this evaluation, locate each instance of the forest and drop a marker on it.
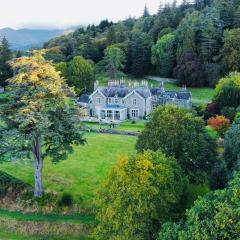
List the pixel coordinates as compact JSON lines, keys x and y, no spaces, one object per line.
{"x":196,"y":43}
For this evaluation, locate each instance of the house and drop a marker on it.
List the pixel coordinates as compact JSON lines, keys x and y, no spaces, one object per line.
{"x":117,"y":102}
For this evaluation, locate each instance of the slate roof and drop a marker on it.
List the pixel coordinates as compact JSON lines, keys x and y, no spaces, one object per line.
{"x":171,"y":94}
{"x":84,"y":98}
{"x":120,"y":92}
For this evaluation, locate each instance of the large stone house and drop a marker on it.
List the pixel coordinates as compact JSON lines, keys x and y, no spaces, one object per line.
{"x":118,"y":102}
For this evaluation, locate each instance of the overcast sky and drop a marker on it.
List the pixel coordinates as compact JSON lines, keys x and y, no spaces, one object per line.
{"x":63,"y":13}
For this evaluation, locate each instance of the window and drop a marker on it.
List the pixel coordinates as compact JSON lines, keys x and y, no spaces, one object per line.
{"x":109,"y":114}
{"x":134,"y":113}
{"x":109,"y":100}
{"x":116,"y":100}
{"x":98,"y":100}
{"x":134,"y":101}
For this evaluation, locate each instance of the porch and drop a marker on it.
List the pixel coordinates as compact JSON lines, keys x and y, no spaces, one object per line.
{"x":112,"y":113}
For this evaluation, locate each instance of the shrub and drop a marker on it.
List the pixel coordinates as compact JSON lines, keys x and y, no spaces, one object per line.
{"x":227,"y":92}
{"x":229,"y":112}
{"x":66,"y":200}
{"x":220,"y":124}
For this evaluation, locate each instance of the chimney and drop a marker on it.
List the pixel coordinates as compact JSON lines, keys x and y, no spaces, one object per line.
{"x":162,"y":86}
{"x":96,"y":85}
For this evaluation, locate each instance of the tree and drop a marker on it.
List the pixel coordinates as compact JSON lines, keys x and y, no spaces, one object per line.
{"x":140,"y":49}
{"x":164,"y":55}
{"x":5,"y":56}
{"x":139,"y":194}
{"x":211,"y":36}
{"x":219,"y":124}
{"x":227,"y":91}
{"x":80,"y":75}
{"x":35,"y":116}
{"x":232,"y":146}
{"x":230,"y":52}
{"x":179,"y":133}
{"x":215,"y":216}
{"x":113,"y":62}
{"x":146,"y":12}
{"x":190,"y":71}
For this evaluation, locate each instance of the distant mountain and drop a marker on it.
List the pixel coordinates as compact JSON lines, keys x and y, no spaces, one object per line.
{"x":25,"y":39}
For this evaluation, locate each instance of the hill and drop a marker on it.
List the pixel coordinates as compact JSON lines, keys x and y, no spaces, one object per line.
{"x":24,"y":39}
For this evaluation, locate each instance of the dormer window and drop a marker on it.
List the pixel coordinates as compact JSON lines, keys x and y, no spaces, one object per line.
{"x":134,"y":101}
{"x":98,"y":100}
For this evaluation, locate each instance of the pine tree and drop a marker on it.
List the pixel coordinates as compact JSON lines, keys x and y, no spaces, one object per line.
{"x":146,"y":12}
{"x":5,"y":56}
{"x":211,"y":37}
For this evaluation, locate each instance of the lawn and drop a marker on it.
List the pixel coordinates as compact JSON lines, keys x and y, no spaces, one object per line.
{"x":128,"y":125}
{"x":84,"y":169}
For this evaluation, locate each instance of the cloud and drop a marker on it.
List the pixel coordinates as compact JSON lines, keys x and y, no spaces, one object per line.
{"x":63,"y":13}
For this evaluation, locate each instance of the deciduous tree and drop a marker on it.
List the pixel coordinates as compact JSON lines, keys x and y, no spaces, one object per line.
{"x":139,"y":194}
{"x":35,"y":116}
{"x":179,"y":133}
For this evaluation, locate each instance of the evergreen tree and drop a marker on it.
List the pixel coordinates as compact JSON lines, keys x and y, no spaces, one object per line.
{"x":5,"y":56}
{"x":211,"y":36}
{"x":140,"y":48}
{"x":146,"y":12}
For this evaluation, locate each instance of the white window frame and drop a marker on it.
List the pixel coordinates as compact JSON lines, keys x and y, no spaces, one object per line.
{"x":134,"y":113}
{"x":98,"y":100}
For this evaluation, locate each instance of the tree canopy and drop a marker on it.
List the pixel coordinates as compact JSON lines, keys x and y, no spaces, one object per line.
{"x":140,"y":193}
{"x":179,"y":133}
{"x":35,"y":116}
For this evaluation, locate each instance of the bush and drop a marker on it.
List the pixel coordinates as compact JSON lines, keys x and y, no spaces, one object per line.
{"x":219,"y":124}
{"x":212,"y":71}
{"x":229,"y":112}
{"x":66,"y":200}
{"x":212,"y":133}
{"x":227,"y":92}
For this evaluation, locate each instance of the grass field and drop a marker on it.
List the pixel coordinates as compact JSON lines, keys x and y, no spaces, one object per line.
{"x":84,"y":169}
{"x":138,"y":126}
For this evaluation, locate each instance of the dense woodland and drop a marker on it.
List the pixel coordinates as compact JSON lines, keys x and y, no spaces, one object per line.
{"x":196,"y":43}
{"x":182,"y":179}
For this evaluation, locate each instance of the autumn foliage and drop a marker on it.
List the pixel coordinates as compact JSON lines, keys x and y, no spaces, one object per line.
{"x":219,"y":123}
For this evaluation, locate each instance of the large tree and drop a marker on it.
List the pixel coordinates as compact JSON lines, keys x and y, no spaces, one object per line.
{"x":164,"y":54}
{"x":177,"y":132}
{"x":80,"y":75}
{"x":139,"y":194}
{"x":113,"y":62}
{"x":5,"y":56}
{"x":231,"y":50}
{"x":140,"y":51}
{"x":215,"y":216}
{"x":35,"y":116}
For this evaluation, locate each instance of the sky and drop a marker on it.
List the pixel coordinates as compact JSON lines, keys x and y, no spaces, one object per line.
{"x":66,"y":13}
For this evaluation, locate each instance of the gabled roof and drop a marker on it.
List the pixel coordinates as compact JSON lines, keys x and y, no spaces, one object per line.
{"x":84,"y":98}
{"x":171,"y":94}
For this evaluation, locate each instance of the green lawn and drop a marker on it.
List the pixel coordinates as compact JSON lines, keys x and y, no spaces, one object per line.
{"x":84,"y":169}
{"x":38,"y":217}
{"x":138,"y":126}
